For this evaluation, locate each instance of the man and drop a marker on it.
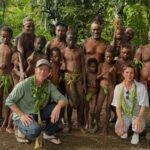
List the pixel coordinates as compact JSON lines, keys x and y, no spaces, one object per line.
{"x":129,"y":35}
{"x":118,"y":41}
{"x":74,"y":78}
{"x":29,"y":101}
{"x":59,"y":41}
{"x":95,"y":45}
{"x":25,"y":44}
{"x":6,"y":83}
{"x":143,"y":54}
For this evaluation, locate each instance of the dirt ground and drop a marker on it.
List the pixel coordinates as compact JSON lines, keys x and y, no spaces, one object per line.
{"x":78,"y":141}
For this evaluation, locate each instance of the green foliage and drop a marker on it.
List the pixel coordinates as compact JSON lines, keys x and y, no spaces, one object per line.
{"x":78,"y":14}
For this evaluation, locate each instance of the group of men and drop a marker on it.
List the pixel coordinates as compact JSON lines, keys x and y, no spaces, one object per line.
{"x":85,"y":74}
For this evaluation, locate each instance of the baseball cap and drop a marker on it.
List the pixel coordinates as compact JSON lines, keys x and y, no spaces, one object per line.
{"x":42,"y":62}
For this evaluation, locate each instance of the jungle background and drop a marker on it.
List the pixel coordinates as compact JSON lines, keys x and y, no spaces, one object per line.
{"x":78,"y":14}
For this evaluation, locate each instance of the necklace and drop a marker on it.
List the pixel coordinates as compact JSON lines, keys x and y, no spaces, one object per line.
{"x":39,"y":94}
{"x":128,"y":111}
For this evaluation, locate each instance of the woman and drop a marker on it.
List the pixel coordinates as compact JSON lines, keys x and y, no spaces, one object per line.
{"x":130,"y":100}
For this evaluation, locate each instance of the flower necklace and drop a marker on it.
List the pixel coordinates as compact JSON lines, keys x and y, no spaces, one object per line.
{"x":39,"y":94}
{"x":122,"y":102}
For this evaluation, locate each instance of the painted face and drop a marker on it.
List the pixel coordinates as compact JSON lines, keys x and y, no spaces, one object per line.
{"x":71,"y":40}
{"x":108,"y":58}
{"x":5,"y":37}
{"x":38,"y":44}
{"x":92,"y":67}
{"x":124,"y":54}
{"x":128,"y":74}
{"x":41,"y":73}
{"x":29,"y":27}
{"x":60,"y":32}
{"x":56,"y":56}
{"x":95,"y":30}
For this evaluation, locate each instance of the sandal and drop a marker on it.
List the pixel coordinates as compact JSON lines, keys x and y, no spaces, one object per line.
{"x":52,"y":139}
{"x":20,"y":137}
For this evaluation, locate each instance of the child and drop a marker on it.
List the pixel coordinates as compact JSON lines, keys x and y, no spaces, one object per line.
{"x":124,"y":59}
{"x":16,"y":69}
{"x":107,"y":79}
{"x":6,"y":83}
{"x":38,"y":54}
{"x":91,"y":92}
{"x":74,"y":78}
{"x":55,"y":63}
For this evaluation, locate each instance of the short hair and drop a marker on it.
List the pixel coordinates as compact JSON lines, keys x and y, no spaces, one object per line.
{"x":92,"y":60}
{"x":98,"y":19}
{"x":7,"y":29}
{"x":125,"y":46}
{"x":27,"y":19}
{"x":42,"y":38}
{"x":131,"y":65}
{"x":55,"y":49}
{"x":131,"y":29}
{"x":110,"y":49}
{"x":61,"y":24}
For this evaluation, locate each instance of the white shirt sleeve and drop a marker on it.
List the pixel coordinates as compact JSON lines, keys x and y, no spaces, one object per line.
{"x":115,"y":101}
{"x":142,"y":95}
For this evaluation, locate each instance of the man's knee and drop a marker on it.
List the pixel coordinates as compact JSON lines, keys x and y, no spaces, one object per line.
{"x":34,"y":132}
{"x":31,"y":131}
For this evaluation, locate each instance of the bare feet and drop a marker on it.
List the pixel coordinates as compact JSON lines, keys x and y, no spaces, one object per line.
{"x":1,"y":121}
{"x":2,"y":129}
{"x":9,"y":130}
{"x":82,"y":130}
{"x":96,"y":128}
{"x":105,"y":131}
{"x":67,"y":129}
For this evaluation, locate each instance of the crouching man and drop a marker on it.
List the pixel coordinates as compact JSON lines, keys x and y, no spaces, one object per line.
{"x":30,"y":104}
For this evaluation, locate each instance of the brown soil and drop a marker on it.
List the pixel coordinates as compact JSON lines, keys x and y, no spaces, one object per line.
{"x":78,"y":141}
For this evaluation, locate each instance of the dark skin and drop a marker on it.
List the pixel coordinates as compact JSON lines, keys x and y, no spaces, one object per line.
{"x":123,"y":60}
{"x":118,"y":41}
{"x":16,"y":70}
{"x":35,"y":56}
{"x":95,"y":46}
{"x":129,"y":35}
{"x":107,"y":78}
{"x":74,"y":64}
{"x":59,"y":41}
{"x":25,"y":45}
{"x":55,"y":68}
{"x":6,"y":51}
{"x":92,"y":87}
{"x":143,"y":54}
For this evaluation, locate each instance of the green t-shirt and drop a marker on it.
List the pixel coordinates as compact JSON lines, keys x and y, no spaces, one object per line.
{"x":21,"y":95}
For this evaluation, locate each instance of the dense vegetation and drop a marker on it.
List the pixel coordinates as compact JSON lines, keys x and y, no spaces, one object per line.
{"x":78,"y":14}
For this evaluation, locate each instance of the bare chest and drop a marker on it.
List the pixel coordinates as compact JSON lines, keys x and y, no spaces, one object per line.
{"x":5,"y":52}
{"x":72,"y":56}
{"x":92,"y":47}
{"x":146,"y":54}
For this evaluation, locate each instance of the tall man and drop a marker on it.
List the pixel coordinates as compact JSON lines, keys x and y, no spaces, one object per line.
{"x":59,"y":41}
{"x":95,"y":45}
